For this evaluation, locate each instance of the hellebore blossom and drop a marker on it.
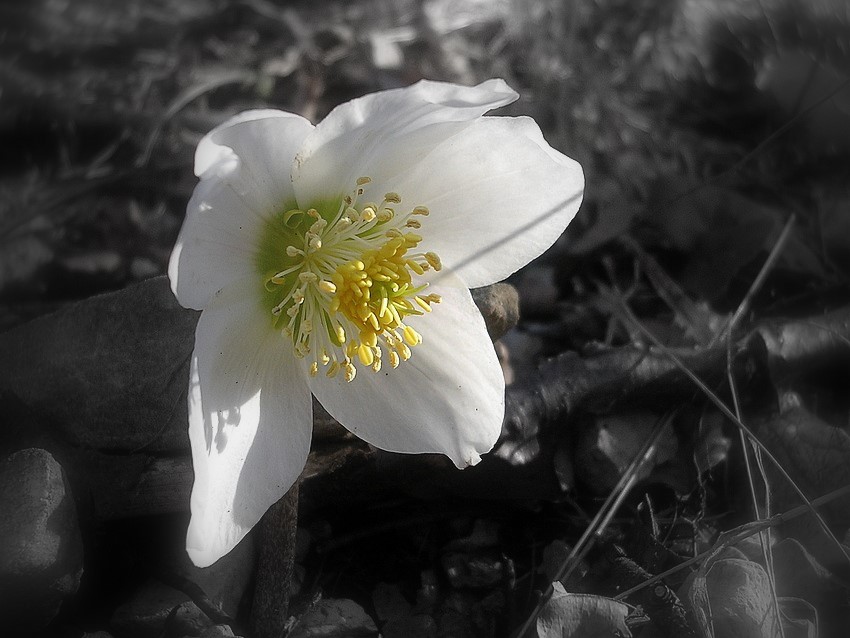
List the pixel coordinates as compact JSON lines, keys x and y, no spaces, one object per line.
{"x":337,"y":259}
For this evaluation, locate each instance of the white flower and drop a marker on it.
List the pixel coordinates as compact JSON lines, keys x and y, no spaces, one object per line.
{"x":337,"y":260}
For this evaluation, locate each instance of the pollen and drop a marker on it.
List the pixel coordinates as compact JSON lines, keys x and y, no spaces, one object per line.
{"x":346,"y":278}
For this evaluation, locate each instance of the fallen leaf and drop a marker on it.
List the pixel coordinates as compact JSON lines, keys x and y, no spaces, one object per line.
{"x":731,"y":598}
{"x":569,"y":615}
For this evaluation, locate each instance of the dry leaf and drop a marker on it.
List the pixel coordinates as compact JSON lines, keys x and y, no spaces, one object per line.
{"x":730,"y":598}
{"x":582,"y":616}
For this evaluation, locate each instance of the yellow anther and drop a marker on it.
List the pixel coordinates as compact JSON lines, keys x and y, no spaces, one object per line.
{"x":434,"y":260}
{"x":411,"y":337}
{"x":347,"y":289}
{"x":350,"y":372}
{"x":422,"y":303}
{"x":364,"y":353}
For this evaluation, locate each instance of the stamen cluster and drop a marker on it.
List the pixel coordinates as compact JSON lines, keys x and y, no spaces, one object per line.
{"x":348,"y":286}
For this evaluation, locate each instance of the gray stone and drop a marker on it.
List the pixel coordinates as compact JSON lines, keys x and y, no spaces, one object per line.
{"x":335,"y":618}
{"x":499,"y":304}
{"x":110,"y":371}
{"x":146,"y":613}
{"x":217,"y":631}
{"x":41,"y":556}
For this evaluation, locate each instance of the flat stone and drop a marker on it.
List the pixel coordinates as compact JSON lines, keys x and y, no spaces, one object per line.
{"x":335,"y":618}
{"x":146,"y":613}
{"x":41,"y":556}
{"x":110,"y":371}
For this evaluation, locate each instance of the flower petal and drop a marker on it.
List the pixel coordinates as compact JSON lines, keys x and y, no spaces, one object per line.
{"x":383,"y":133}
{"x":244,"y":166}
{"x":449,"y":397}
{"x":250,"y":421}
{"x":498,"y":194}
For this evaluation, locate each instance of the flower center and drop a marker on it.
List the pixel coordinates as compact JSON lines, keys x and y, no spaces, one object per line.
{"x":339,"y":280}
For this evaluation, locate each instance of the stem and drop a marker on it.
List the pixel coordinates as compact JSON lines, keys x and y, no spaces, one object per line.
{"x":275,"y":567}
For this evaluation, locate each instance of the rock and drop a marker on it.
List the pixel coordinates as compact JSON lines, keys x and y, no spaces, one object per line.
{"x":335,"y":618}
{"x":111,"y":371}
{"x":41,"y":556}
{"x":146,"y":614}
{"x":217,"y":631}
{"x":499,"y":304}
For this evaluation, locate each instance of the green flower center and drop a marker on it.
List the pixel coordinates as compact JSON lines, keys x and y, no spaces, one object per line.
{"x":338,"y":279}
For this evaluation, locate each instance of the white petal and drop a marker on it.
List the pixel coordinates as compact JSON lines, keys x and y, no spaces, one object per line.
{"x":244,"y":166}
{"x":383,"y":133}
{"x":250,"y":421}
{"x":498,"y":194}
{"x":449,"y":397}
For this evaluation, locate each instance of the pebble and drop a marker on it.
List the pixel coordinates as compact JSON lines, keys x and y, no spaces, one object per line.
{"x":41,"y":555}
{"x":499,"y":304}
{"x":335,"y":618}
{"x":146,"y":613}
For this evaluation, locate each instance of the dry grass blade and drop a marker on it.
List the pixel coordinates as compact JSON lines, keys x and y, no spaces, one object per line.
{"x":185,"y":98}
{"x":600,"y":522}
{"x":731,"y":416}
{"x":738,"y":534}
{"x":758,"y":282}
